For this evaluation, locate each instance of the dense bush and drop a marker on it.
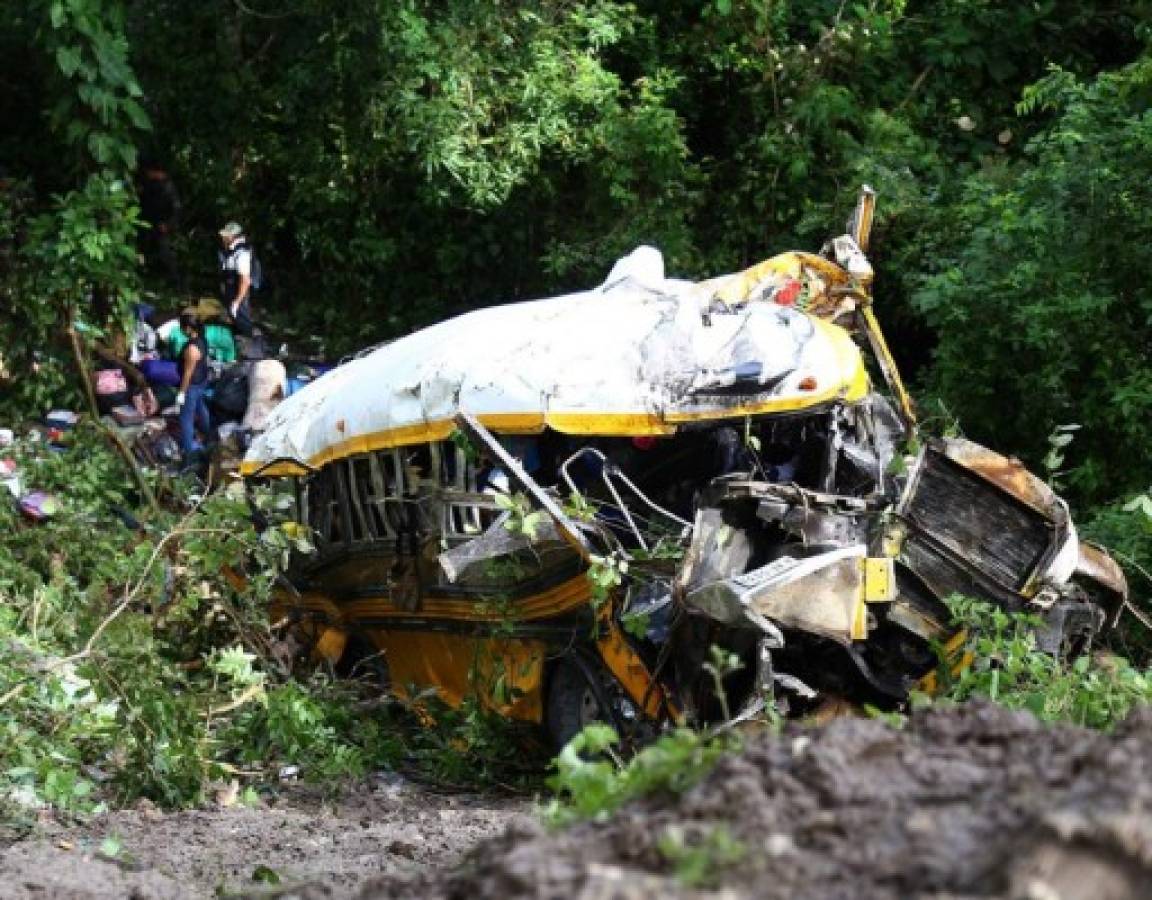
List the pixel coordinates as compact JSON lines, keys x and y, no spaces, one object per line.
{"x":126,"y":655}
{"x":133,"y":663}
{"x":1006,"y":666}
{"x":1038,"y":301}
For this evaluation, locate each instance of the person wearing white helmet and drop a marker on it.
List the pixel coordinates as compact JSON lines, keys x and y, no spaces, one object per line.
{"x":236,"y":276}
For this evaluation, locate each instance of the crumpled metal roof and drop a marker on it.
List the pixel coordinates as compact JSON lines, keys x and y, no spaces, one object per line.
{"x":638,"y":355}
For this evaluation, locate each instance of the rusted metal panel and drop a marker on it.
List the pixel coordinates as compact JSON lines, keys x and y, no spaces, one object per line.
{"x":1096,"y":564}
{"x":976,"y":522}
{"x":1007,"y":473}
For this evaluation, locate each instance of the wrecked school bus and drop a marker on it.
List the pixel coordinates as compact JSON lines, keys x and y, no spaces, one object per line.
{"x":572,"y":501}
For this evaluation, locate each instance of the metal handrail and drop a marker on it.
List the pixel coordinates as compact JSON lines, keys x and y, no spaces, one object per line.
{"x":609,"y":468}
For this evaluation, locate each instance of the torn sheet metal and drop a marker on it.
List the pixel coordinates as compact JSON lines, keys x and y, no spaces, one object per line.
{"x":825,"y":594}
{"x":496,"y":542}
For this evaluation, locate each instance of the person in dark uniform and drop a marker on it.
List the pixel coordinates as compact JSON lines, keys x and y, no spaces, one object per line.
{"x":193,"y":382}
{"x":160,"y":210}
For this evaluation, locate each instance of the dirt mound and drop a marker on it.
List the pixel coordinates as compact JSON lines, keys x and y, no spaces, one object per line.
{"x":972,"y":801}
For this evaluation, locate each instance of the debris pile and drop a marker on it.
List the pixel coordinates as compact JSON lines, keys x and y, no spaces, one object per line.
{"x":137,"y":393}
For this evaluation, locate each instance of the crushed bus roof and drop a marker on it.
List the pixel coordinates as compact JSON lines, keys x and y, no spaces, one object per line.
{"x":638,"y":355}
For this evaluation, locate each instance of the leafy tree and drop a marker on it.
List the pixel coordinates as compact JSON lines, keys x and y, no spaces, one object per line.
{"x":1038,"y":300}
{"x":73,"y":266}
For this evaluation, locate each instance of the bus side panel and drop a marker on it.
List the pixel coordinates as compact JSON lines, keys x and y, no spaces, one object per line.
{"x":507,"y":674}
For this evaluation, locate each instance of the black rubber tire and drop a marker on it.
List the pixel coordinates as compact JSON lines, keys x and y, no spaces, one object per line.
{"x":363,"y":661}
{"x":572,"y":703}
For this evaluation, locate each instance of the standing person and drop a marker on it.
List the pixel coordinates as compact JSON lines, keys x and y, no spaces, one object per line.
{"x":193,"y":382}
{"x":160,"y":210}
{"x":236,"y":276}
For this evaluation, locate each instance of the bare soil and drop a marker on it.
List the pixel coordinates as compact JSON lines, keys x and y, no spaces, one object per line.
{"x":315,"y":844}
{"x":969,"y":802}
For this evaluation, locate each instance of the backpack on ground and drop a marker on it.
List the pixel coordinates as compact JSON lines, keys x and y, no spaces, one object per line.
{"x":230,"y":393}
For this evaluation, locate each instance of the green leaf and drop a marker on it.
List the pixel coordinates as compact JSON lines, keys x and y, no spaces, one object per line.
{"x":111,"y":847}
{"x":68,"y":60}
{"x":265,"y":875}
{"x":532,"y":523}
{"x":1141,"y":502}
{"x":136,"y":114}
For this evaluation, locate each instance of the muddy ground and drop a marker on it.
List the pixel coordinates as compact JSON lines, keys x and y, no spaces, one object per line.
{"x":315,"y":844}
{"x":972,"y":802}
{"x":969,"y":802}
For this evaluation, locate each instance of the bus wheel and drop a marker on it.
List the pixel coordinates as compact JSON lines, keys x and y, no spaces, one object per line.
{"x":362,"y":661}
{"x":574,"y":701}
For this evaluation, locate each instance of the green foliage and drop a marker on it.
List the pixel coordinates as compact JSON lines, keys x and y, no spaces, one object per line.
{"x":522,"y":519}
{"x":516,"y":150}
{"x":98,"y":101}
{"x":309,"y":725}
{"x":483,"y":95}
{"x":72,"y":263}
{"x":469,"y":746}
{"x":1040,"y":290}
{"x":605,"y":574}
{"x":129,"y":664}
{"x":1058,"y":441}
{"x":265,"y":875}
{"x":722,"y":664}
{"x":1008,"y":668}
{"x":78,"y":261}
{"x":579,"y":507}
{"x":591,"y":785}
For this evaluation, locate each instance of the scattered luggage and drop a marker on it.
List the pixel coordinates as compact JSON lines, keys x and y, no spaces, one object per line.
{"x":61,"y":419}
{"x":39,"y":505}
{"x":111,"y":388}
{"x":157,"y":448}
{"x":110,"y":381}
{"x":10,"y":477}
{"x":267,"y":386}
{"x":127,"y":414}
{"x":230,"y":394}
{"x":161,"y":372}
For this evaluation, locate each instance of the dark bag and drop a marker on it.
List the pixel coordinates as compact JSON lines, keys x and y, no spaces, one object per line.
{"x":251,"y":346}
{"x":106,"y":403}
{"x":256,"y":273}
{"x":230,"y":395}
{"x":157,"y":449}
{"x":161,"y":372}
